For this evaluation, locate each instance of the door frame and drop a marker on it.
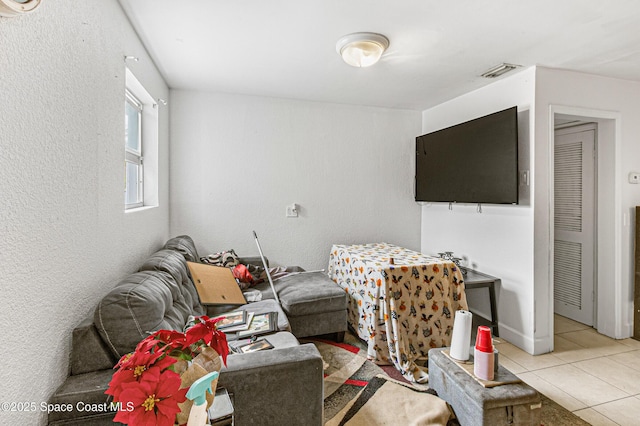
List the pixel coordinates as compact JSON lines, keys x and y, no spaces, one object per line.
{"x":609,"y":309}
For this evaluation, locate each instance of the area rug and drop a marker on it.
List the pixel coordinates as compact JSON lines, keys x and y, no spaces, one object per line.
{"x":385,"y":401}
{"x":346,"y":373}
{"x":358,"y":392}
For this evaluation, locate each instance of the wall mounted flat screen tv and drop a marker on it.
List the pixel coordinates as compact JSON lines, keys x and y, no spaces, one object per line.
{"x":472,"y":162}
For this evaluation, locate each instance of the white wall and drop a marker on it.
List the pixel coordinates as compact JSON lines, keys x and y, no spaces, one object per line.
{"x":498,"y":241}
{"x":513,"y":243}
{"x":237,"y":161}
{"x":619,"y":100}
{"x":64,"y":236}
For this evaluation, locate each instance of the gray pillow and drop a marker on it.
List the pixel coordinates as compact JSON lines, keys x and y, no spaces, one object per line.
{"x":185,"y":246}
{"x":173,"y":263}
{"x":139,"y":305}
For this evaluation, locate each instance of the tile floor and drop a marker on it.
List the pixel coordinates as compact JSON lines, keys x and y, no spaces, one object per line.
{"x":595,"y":377}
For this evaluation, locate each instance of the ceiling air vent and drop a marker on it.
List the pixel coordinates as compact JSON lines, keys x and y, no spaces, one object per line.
{"x":498,"y":70}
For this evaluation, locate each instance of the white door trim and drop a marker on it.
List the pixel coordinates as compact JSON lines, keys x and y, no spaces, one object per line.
{"x":616,"y":310}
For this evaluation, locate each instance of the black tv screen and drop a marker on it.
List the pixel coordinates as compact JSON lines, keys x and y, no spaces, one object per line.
{"x":472,"y":162}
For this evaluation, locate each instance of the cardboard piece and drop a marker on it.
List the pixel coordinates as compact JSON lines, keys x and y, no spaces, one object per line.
{"x":216,"y":285}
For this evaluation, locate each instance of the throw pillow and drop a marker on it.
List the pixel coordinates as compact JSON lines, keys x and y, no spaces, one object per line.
{"x":227,"y":258}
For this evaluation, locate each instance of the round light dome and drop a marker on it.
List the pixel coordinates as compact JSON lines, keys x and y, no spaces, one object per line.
{"x":362,"y":49}
{"x":11,"y":8}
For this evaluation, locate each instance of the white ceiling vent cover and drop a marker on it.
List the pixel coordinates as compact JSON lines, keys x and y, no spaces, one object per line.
{"x":499,"y":70}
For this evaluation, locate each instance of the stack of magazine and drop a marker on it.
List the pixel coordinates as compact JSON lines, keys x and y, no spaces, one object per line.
{"x":251,"y":345}
{"x":245,"y":324}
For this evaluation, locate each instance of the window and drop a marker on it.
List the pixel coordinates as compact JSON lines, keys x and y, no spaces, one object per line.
{"x":133,"y":176}
{"x":140,"y":146}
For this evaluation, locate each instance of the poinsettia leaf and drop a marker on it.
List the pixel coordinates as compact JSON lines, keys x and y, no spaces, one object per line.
{"x":123,"y":360}
{"x":185,"y":356}
{"x":122,"y":416}
{"x":118,"y":378}
{"x":165,"y":362}
{"x":141,"y":417}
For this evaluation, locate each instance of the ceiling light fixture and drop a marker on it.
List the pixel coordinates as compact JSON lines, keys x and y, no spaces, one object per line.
{"x":10,"y":8}
{"x":362,"y":49}
{"x":498,"y":70}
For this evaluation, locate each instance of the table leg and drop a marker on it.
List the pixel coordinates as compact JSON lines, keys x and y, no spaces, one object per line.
{"x":494,"y":308}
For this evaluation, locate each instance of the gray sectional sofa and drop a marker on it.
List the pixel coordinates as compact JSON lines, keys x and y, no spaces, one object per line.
{"x":280,"y":386}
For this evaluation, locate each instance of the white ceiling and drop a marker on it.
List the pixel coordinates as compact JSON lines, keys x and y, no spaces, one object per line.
{"x":438,"y":48}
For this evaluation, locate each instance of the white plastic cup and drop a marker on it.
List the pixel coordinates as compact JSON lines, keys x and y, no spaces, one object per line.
{"x":483,"y":365}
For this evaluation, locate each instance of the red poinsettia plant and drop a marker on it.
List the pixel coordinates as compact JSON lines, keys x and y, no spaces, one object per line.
{"x":146,"y":383}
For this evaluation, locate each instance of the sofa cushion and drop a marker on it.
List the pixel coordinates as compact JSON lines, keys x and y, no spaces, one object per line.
{"x":185,"y":246}
{"x":86,"y":390}
{"x":174,"y":263}
{"x":307,"y":293}
{"x":140,"y":304}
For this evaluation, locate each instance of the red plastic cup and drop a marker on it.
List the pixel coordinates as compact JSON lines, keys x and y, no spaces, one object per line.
{"x":483,"y":339}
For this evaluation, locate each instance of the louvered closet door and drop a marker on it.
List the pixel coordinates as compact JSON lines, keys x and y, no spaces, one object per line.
{"x":574,"y":216}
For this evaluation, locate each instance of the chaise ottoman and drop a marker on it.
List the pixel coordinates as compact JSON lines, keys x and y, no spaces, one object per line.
{"x":313,"y":303}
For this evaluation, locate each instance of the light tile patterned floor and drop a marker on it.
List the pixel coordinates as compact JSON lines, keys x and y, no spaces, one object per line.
{"x":596,"y":377}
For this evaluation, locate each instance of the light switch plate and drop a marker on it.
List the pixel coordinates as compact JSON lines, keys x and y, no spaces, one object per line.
{"x":292,"y":210}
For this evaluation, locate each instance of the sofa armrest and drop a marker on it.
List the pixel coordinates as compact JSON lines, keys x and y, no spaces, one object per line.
{"x":253,"y":260}
{"x":276,"y":387}
{"x":88,"y":350}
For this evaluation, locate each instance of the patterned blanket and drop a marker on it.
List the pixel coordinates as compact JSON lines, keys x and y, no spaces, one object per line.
{"x":401,"y":302}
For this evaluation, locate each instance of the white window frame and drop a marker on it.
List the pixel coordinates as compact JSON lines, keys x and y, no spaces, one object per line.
{"x":135,"y":156}
{"x":147,"y":157}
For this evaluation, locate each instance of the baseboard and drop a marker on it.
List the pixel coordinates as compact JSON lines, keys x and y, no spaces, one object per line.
{"x":516,"y":338}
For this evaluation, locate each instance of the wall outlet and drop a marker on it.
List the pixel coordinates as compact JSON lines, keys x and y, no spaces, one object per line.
{"x":634,"y":177}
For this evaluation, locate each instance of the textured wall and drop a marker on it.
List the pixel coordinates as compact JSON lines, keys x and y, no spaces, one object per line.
{"x":64,"y":236}
{"x":238,"y":161}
